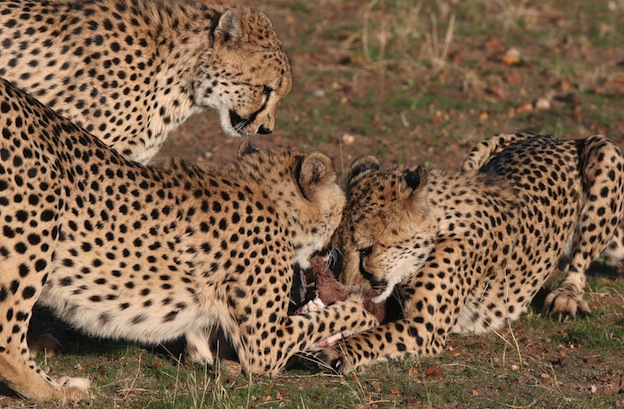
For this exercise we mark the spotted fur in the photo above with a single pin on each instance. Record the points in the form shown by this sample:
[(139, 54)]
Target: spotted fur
[(130, 71), (466, 251), (121, 250), (613, 254)]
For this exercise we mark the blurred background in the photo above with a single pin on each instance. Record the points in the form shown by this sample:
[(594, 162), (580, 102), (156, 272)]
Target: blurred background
[(425, 81)]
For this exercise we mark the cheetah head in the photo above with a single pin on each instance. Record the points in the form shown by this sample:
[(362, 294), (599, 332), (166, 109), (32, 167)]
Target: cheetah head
[(245, 75), (309, 197), (386, 232)]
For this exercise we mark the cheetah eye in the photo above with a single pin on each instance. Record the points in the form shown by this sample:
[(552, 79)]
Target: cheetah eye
[(365, 251), (267, 90)]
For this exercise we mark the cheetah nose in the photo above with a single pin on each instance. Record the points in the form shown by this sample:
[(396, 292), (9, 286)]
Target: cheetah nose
[(264, 130)]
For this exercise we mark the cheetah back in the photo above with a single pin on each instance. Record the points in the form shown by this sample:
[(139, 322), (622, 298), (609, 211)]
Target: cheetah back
[(131, 71), (122, 250), (466, 251)]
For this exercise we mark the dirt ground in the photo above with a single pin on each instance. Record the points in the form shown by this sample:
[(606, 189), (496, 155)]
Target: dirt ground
[(424, 82), (415, 81)]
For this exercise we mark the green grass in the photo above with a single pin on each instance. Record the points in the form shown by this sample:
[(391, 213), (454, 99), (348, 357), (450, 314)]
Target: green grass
[(384, 75)]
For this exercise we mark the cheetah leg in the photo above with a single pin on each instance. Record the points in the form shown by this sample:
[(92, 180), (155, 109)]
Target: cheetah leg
[(207, 345), (17, 368), (597, 223), (429, 315), (198, 346), (269, 349), (614, 253), (22, 277), (398, 338)]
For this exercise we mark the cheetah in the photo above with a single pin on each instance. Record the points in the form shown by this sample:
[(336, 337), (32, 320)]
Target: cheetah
[(122, 250), (467, 250), (131, 71), (613, 255)]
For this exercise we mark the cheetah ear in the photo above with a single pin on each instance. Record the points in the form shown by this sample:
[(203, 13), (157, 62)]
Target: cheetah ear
[(230, 30), (263, 20), (412, 181), (246, 148), (361, 167), (315, 169)]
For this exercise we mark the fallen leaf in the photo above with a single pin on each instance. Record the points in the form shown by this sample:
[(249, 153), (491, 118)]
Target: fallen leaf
[(511, 57), (348, 139), (514, 78), (571, 98), (412, 401), (433, 372), (394, 390), (542, 104), (437, 117), (455, 57), (493, 45), (526, 107), (563, 86), (376, 386), (450, 351), (495, 90)]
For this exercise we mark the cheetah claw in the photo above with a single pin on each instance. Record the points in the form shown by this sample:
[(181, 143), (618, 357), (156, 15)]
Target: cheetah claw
[(562, 304), (332, 359)]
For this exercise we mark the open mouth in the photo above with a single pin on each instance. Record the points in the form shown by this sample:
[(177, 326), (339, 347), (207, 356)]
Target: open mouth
[(379, 284), (237, 122)]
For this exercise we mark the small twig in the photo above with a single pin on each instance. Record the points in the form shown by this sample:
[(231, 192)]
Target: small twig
[(366, 17)]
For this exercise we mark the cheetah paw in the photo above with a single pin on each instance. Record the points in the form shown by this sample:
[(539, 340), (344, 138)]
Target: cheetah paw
[(329, 340), (564, 303), (311, 306), (333, 359), (74, 389), (44, 344)]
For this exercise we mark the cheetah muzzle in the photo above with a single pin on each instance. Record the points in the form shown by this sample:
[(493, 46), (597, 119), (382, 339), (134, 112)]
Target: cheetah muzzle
[(466, 251), (150, 254), (130, 72)]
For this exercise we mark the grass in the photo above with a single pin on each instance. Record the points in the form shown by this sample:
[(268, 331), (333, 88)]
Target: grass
[(411, 81), (530, 364)]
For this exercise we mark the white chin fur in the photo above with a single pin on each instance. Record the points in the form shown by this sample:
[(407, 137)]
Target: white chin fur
[(383, 296), (229, 131), (224, 119), (303, 264)]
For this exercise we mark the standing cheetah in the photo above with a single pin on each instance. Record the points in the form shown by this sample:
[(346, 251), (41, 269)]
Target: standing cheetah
[(130, 71), (122, 250), (466, 251)]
